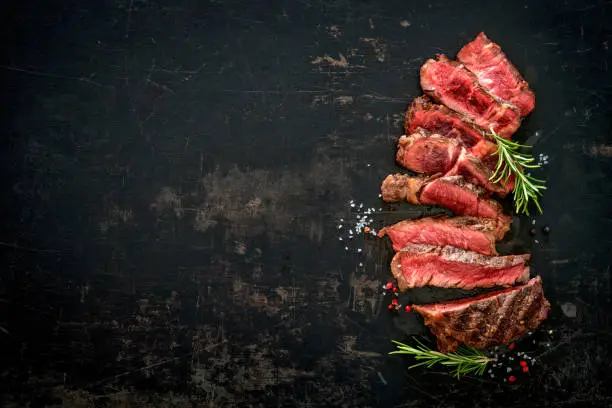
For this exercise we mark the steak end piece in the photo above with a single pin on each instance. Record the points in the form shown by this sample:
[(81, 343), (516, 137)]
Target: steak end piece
[(419, 265), (451, 84), (400, 187), (434, 118), (470, 233), (427, 153), (462, 197), (496, 74), (487, 320)]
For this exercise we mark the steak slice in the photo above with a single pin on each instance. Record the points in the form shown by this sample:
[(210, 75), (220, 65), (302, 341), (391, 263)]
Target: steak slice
[(435, 118), (471, 233), (491, 319), (462, 198), (496, 73), (452, 192), (427, 153), (420, 265), (452, 84), (430, 154)]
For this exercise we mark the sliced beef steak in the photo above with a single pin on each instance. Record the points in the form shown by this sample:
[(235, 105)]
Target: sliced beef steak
[(453, 85), (462, 198), (452, 192), (496, 73), (435, 118), (471, 233), (427, 153), (491, 319), (420, 265)]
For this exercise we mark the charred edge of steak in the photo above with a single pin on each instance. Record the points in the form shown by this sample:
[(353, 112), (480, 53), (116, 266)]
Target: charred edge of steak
[(452, 84), (400, 187), (483, 321), (496, 73), (419, 265)]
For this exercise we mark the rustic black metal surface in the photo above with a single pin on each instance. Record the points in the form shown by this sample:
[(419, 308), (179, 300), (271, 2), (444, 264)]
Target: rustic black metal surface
[(174, 173)]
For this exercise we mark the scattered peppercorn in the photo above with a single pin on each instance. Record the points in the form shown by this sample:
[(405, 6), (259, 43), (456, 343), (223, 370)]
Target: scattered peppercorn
[(525, 369), (389, 285), (366, 230), (408, 308), (394, 301), (391, 307), (511, 346), (512, 379), (532, 231), (523, 363), (394, 289), (546, 229)]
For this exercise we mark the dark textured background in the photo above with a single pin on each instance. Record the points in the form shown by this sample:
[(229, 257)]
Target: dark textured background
[(174, 172)]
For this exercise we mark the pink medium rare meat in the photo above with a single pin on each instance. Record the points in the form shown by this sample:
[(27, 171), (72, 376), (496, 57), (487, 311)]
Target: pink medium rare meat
[(494, 318), (450, 83), (496, 73), (419, 265), (470, 233)]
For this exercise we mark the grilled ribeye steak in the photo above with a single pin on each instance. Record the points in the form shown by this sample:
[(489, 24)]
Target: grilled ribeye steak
[(420, 265), (471, 233), (434, 118), (427, 153), (496, 74), (487, 320), (450, 83)]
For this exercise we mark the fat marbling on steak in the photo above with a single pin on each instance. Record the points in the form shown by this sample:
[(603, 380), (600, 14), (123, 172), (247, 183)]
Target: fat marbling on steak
[(419, 265), (471, 233), (496, 74), (487, 320), (450, 83)]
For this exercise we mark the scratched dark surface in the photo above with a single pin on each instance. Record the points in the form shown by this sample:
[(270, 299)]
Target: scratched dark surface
[(173, 175)]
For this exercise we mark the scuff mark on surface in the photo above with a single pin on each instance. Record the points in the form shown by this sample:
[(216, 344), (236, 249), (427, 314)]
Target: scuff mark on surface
[(378, 45), (341, 62)]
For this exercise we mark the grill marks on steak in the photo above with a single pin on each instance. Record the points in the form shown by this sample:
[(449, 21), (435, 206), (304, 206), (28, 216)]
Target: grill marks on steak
[(431, 154), (470, 233), (496, 73), (420, 265), (491, 319), (453, 85)]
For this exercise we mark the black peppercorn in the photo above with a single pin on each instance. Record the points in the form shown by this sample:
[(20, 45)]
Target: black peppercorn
[(546, 229), (532, 231)]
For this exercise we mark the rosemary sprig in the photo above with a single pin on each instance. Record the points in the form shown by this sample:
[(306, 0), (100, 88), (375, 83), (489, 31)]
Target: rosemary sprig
[(511, 161), (465, 361)]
